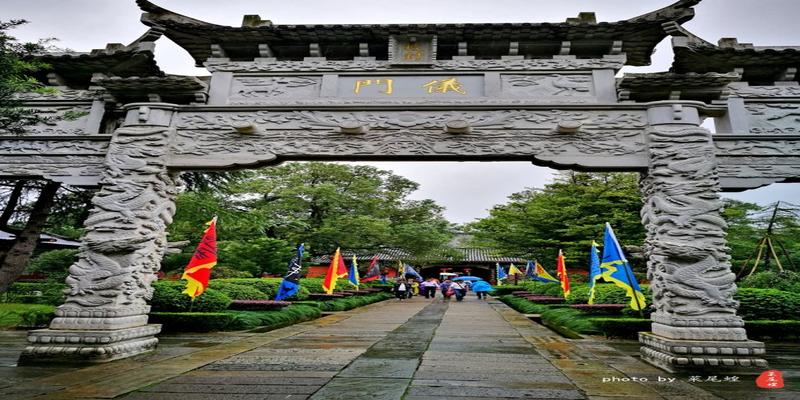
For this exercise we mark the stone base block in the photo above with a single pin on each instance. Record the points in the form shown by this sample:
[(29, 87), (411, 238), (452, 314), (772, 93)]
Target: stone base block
[(88, 346), (676, 356)]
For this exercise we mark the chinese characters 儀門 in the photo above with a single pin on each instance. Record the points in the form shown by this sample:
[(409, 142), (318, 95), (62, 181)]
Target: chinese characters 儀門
[(433, 87)]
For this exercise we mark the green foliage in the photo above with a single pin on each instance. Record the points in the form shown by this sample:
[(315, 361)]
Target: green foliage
[(14, 315), (256, 256), (237, 292), (522, 305), (786, 280), (51, 293), (192, 321), (573, 320), (270, 320), (626, 328), (780, 329), (349, 303), (568, 213), (579, 294), (759, 304), (16, 69), (54, 264), (225, 272), (268, 286), (503, 290), (168, 296), (314, 285), (544, 288)]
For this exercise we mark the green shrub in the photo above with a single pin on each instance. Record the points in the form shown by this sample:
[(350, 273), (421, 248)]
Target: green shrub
[(51, 293), (268, 286), (546, 288), (568, 318), (168, 296), (54, 264), (503, 290), (349, 303), (314, 285), (14, 315), (627, 328), (225, 272), (578, 294), (772, 329), (236, 291), (786, 280), (762, 304), (522, 305), (192, 321), (274, 319)]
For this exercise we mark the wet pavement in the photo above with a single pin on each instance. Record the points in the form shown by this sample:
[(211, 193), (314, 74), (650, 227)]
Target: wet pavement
[(414, 349)]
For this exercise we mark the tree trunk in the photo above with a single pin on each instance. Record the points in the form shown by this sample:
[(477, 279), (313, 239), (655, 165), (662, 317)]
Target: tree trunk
[(21, 250), (13, 200)]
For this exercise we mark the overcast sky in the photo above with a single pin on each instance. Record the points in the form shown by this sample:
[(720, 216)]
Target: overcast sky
[(468, 190)]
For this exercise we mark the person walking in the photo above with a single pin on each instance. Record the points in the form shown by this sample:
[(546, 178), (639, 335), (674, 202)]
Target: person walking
[(447, 290), (459, 290), (482, 289), (400, 289)]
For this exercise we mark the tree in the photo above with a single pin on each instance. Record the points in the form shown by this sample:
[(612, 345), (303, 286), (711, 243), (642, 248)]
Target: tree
[(568, 213), (336, 205)]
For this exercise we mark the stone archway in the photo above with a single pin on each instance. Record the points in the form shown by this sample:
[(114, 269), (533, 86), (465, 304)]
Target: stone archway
[(420, 94)]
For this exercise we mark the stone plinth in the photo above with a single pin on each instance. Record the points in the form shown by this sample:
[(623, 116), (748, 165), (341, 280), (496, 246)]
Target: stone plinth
[(673, 355), (88, 346)]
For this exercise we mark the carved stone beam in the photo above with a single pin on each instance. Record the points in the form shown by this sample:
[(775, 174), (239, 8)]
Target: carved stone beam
[(616, 47), (265, 51), (363, 50), (565, 48)]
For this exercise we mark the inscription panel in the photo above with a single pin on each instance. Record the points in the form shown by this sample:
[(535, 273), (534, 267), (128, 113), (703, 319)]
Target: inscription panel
[(395, 86)]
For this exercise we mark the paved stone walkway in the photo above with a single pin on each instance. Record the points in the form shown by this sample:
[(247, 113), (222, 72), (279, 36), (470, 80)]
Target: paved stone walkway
[(417, 349)]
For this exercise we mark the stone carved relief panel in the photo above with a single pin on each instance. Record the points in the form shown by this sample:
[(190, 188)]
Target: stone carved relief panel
[(253, 90), (80, 170), (438, 65), (58, 94), (575, 88), (18, 146), (774, 118), (765, 91), (60, 121), (689, 265), (495, 134)]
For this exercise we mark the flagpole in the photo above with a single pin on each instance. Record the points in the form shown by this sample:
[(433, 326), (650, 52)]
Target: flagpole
[(628, 272), (191, 304)]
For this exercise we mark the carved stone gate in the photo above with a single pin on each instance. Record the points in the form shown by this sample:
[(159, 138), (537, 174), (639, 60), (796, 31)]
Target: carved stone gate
[(544, 93)]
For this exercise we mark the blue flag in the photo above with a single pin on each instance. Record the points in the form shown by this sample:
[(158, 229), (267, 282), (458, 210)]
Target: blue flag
[(594, 270), (291, 282), (501, 273), (409, 270), (352, 273), (615, 268), (530, 270)]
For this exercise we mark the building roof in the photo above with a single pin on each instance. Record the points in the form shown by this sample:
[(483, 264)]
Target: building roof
[(757, 65), (460, 255), (647, 87), (44, 238), (636, 37)]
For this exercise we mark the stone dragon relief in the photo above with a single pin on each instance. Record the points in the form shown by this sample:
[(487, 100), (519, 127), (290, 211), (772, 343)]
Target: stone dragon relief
[(125, 236), (249, 90), (554, 85), (63, 120), (774, 118), (511, 133), (765, 91), (689, 267)]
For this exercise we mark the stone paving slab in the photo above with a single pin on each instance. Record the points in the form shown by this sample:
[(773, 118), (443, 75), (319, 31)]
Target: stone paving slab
[(362, 389), (493, 392), (381, 368)]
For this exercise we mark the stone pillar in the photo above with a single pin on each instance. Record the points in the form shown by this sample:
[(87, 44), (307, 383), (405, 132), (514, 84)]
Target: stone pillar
[(104, 316), (695, 326)]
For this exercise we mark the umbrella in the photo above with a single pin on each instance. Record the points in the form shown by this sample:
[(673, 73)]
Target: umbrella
[(467, 278), (482, 286)]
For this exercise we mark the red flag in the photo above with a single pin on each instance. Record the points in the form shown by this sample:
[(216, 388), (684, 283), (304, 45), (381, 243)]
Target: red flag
[(373, 272), (198, 271), (561, 269), (336, 270)]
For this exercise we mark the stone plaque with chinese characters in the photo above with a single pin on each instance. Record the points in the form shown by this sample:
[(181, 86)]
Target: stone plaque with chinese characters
[(412, 50), (396, 86)]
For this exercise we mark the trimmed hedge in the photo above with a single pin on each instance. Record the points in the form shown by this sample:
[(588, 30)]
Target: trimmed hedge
[(762, 304), (234, 320), (785, 280), (314, 285), (14, 315), (628, 328), (349, 303), (502, 290), (168, 296), (237, 291), (780, 329), (51, 293)]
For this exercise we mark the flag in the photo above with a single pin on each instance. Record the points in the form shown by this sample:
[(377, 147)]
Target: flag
[(409, 270), (513, 270), (561, 270), (373, 272), (198, 272), (352, 274), (501, 274), (615, 268), (291, 282), (594, 270), (336, 270), (542, 275), (530, 270)]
